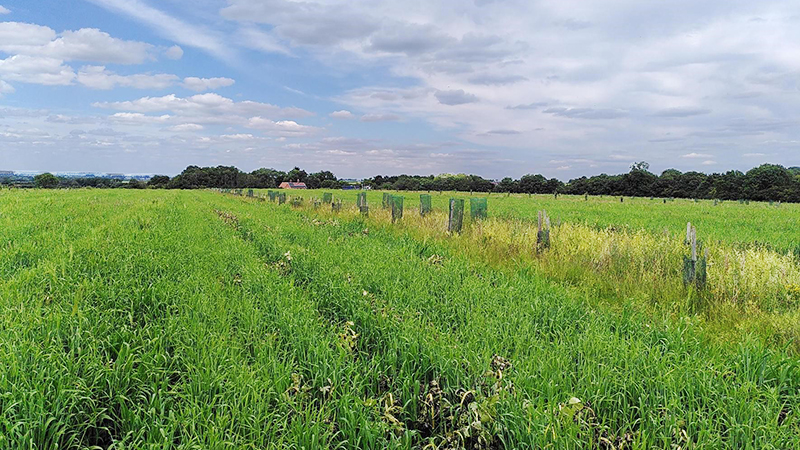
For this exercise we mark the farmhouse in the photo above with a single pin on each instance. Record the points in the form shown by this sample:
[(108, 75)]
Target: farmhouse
[(292, 185)]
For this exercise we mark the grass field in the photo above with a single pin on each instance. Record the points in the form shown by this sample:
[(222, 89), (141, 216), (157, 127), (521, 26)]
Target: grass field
[(730, 222), (196, 320)]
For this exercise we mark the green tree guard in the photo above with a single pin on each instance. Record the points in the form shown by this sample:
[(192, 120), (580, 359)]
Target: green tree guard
[(282, 198), (397, 207), (478, 208), (327, 197), (250, 193), (424, 204), (456, 218), (543, 233)]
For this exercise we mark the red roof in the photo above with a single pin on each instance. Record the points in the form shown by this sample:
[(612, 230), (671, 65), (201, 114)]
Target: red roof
[(293, 185)]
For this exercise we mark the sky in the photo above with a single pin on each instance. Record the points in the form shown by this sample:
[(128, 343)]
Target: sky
[(362, 87)]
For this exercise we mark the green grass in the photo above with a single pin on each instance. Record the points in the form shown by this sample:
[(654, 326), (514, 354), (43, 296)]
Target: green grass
[(729, 222), (166, 319)]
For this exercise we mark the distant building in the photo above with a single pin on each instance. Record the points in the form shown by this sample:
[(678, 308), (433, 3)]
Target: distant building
[(293, 185)]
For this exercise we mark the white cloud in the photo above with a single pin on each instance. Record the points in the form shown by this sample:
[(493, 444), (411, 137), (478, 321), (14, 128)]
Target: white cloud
[(186, 127), (386, 151), (170, 27), (698, 72), (6, 88), (709, 163), (36, 69), (251, 37), (522, 81), (455, 97), (207, 108), (139, 118), (90, 44), (4, 10), (380, 118), (753, 155), (342, 114), (205, 84), (337, 152), (16, 36), (85, 44), (285, 128), (97, 77), (174, 52)]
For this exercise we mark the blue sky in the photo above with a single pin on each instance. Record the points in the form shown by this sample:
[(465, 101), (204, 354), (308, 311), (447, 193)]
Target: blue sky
[(492, 87)]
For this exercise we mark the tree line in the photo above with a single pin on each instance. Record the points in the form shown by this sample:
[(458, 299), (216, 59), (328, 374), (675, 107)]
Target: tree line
[(768, 182)]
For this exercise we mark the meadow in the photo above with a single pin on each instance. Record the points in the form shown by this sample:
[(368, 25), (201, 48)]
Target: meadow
[(750, 224), (193, 319)]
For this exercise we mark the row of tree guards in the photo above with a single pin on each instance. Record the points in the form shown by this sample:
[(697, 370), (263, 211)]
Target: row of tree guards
[(478, 206), (694, 266), (455, 221)]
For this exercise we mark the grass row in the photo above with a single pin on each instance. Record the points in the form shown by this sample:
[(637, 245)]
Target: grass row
[(754, 224), (648, 384), (748, 290), (194, 320)]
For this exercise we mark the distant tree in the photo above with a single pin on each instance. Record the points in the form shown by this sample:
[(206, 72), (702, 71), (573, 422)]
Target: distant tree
[(507, 184), (533, 184), (729, 186), (666, 183), (297, 174), (136, 184), (639, 182), (267, 178), (766, 182), (45, 181), (158, 181), (330, 184), (315, 180), (554, 185), (769, 182), (688, 184), (407, 183), (68, 183), (577, 186)]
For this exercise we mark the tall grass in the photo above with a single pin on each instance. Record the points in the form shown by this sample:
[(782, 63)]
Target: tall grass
[(741, 225), (185, 320), (749, 288), (648, 382)]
